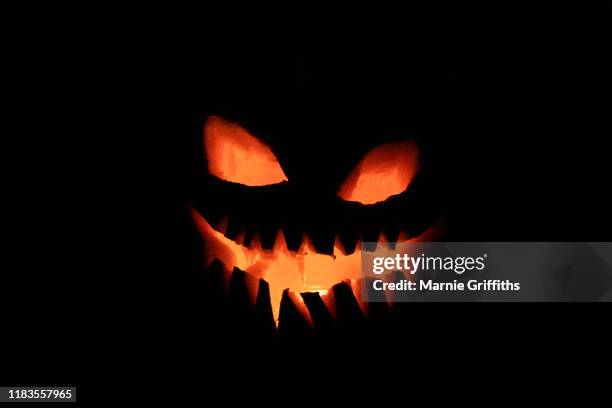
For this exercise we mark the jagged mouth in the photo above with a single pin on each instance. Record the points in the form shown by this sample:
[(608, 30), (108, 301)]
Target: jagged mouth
[(298, 271)]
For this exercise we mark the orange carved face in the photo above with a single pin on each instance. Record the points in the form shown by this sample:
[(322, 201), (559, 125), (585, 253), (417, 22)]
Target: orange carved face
[(236, 156)]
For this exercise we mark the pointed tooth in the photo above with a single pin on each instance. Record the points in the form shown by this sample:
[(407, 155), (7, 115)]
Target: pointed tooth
[(431, 234), (357, 246), (255, 242), (383, 242), (201, 224), (239, 239), (370, 235), (279, 243), (324, 242), (347, 306), (368, 241), (307, 245), (267, 234), (221, 226), (348, 238), (339, 247), (403, 237), (248, 237), (293, 238), (391, 233), (234, 225), (212, 216)]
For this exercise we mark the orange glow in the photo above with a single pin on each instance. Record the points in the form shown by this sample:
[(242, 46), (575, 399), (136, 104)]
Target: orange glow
[(300, 271), (235, 155), (384, 171)]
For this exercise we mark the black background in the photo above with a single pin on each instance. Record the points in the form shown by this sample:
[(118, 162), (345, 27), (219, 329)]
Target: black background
[(512, 106), (510, 110)]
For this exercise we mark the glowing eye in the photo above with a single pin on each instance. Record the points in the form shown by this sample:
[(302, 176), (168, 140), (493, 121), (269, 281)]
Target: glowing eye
[(235, 155), (384, 171)]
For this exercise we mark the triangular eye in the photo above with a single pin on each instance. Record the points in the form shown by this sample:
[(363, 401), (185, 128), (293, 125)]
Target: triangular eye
[(237, 156), (384, 171)]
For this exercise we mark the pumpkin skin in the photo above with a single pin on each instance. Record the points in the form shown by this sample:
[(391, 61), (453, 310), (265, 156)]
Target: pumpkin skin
[(319, 144)]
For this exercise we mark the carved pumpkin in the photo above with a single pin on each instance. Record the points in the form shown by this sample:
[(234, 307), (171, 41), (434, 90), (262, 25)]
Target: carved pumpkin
[(240, 164), (295, 162)]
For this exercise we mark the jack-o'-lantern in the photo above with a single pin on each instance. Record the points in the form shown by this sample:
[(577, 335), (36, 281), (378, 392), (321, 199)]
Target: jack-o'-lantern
[(286, 190)]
